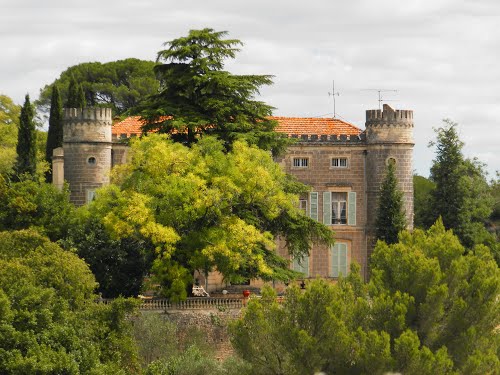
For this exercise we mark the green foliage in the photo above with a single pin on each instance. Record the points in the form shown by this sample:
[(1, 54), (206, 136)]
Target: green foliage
[(49, 323), (204, 209), (192, 361), (422, 188), (9, 123), (429, 308), (55, 134), (34, 204), (391, 218), (462, 196), (75, 96), (119, 265), (26, 141), (120, 85), (198, 97)]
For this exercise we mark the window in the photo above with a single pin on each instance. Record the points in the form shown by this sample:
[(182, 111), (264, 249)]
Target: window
[(339, 259), (301, 265), (90, 195), (303, 206), (339, 208), (300, 162), (339, 162), (92, 160)]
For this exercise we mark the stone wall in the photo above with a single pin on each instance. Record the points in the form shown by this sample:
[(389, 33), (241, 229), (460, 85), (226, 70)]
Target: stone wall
[(213, 324)]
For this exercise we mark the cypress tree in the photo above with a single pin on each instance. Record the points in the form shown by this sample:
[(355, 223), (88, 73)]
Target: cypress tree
[(391, 217), (55, 134), (72, 99), (26, 141), (80, 98)]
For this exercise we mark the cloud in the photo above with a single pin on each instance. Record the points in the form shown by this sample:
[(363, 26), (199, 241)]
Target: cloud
[(440, 55)]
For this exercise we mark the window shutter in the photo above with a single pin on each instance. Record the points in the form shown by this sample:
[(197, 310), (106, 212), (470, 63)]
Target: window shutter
[(327, 208), (302, 265), (343, 259), (313, 205), (351, 213), (339, 260), (335, 261)]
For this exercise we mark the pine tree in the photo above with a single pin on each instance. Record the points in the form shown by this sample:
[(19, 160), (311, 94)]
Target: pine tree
[(391, 217), (448, 199), (462, 196), (198, 97), (55, 134), (26, 141)]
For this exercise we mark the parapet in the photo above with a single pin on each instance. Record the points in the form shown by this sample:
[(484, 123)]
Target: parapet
[(333, 138), (389, 126), (90, 125), (389, 116), (86, 114)]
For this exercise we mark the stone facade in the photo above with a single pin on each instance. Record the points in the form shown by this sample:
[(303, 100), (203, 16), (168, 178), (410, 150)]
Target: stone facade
[(344, 170)]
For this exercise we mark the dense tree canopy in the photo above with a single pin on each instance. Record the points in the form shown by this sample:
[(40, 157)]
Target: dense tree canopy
[(428, 309), (9, 123), (34, 204), (422, 188), (206, 210), (198, 97), (120, 85), (49, 322), (391, 218), (462, 196)]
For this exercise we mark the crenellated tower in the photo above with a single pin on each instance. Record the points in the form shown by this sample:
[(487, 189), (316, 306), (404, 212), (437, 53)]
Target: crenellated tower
[(389, 139), (87, 151)]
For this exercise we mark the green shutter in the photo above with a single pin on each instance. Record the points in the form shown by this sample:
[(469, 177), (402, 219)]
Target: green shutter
[(313, 205), (327, 208), (351, 208), (343, 259), (339, 260), (335, 261)]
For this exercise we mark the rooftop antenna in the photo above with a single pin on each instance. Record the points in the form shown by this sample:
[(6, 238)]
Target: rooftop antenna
[(333, 93), (380, 98)]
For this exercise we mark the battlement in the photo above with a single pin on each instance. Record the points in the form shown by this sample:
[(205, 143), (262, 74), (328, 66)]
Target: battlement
[(333, 138), (389, 116), (86, 114)]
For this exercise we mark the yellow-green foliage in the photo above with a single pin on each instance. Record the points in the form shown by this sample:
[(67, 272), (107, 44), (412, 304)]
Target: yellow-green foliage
[(203, 208)]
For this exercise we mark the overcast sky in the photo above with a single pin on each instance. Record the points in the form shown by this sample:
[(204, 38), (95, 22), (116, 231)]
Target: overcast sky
[(442, 56)]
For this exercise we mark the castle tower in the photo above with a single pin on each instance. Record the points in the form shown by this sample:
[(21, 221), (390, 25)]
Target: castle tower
[(87, 151), (389, 138)]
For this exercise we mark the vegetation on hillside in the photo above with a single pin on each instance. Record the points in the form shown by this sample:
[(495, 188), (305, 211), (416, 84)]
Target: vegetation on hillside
[(430, 307)]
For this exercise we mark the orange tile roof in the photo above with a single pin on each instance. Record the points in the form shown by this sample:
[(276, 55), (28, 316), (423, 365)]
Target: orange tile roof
[(288, 125), (315, 126)]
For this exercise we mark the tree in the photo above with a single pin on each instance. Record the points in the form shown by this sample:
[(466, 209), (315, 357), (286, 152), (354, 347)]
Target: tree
[(55, 133), (198, 97), (26, 141), (207, 210), (119, 265), (76, 96), (49, 321), (34, 204), (462, 196), (427, 309), (391, 218), (121, 84), (9, 123), (422, 188)]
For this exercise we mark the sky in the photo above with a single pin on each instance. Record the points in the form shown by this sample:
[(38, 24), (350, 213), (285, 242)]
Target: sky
[(440, 58)]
